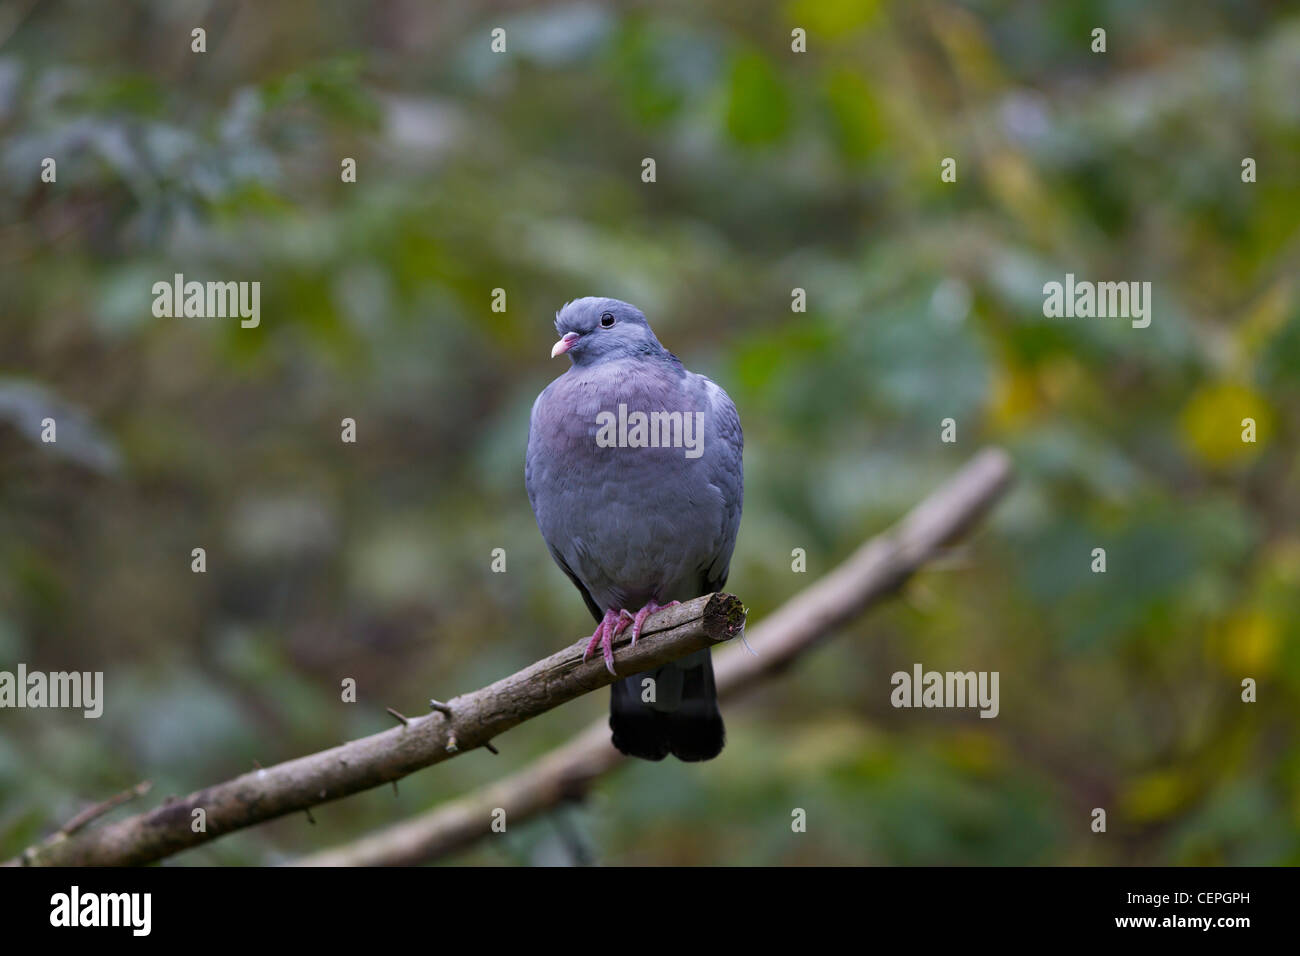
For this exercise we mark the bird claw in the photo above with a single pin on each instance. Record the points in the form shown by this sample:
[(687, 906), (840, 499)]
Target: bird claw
[(607, 631), (644, 613), (615, 623)]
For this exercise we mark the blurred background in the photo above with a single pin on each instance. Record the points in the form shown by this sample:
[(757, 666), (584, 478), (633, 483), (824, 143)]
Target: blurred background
[(775, 170)]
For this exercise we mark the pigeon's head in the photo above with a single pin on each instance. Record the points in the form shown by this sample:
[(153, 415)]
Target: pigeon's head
[(595, 330)]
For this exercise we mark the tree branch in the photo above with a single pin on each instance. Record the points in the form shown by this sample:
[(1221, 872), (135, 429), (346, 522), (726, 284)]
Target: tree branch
[(474, 720), (874, 571)]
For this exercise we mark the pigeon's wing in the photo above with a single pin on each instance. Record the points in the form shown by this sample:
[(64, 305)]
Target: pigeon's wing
[(586, 595), (724, 456), (534, 449)]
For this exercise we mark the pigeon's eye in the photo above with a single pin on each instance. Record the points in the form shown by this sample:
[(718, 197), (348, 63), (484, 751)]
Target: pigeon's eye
[(607, 320)]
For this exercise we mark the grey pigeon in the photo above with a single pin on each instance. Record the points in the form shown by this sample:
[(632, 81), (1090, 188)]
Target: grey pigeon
[(634, 473)]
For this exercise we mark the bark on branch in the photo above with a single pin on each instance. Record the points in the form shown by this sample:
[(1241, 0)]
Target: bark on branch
[(874, 571), (473, 721)]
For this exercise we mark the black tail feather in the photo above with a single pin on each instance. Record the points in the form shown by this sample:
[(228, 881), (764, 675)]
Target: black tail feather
[(639, 731), (695, 729), (684, 719)]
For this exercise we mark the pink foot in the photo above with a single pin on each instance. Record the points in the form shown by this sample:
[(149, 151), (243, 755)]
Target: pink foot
[(610, 627), (644, 613)]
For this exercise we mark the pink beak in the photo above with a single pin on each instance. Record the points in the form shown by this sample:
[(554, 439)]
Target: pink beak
[(566, 343)]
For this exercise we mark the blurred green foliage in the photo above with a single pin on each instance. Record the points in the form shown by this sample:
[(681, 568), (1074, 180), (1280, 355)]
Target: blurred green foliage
[(776, 170)]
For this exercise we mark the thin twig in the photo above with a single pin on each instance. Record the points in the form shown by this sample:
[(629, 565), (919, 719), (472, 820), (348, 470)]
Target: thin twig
[(90, 814)]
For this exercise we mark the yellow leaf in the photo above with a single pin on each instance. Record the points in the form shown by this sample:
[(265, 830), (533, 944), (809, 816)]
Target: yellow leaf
[(832, 18), (1014, 399), (1249, 642), (974, 752), (1155, 796), (1212, 423)]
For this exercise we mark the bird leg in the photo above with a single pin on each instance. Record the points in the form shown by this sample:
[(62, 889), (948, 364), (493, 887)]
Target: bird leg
[(644, 613), (615, 623), (610, 627)]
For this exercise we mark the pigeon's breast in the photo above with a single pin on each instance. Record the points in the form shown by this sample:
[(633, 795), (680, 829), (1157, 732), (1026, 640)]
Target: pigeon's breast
[(618, 472)]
